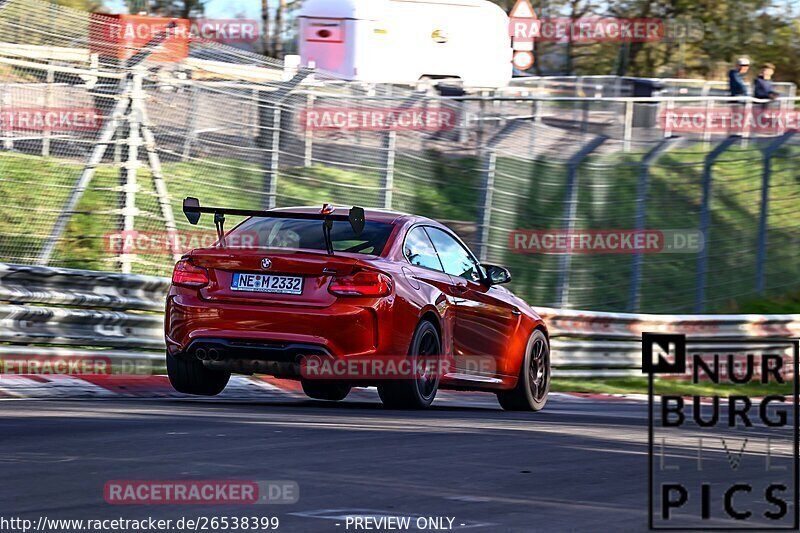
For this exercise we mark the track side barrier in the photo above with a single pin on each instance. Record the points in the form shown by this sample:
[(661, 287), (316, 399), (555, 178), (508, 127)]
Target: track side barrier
[(60, 312)]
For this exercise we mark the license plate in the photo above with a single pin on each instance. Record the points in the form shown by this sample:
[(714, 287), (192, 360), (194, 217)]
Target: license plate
[(267, 283)]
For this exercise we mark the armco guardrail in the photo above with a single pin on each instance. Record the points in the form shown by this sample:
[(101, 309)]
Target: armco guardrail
[(81, 288), (72, 313), (629, 326)]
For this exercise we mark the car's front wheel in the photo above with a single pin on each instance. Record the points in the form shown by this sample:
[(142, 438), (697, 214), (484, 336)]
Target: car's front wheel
[(533, 384), (190, 376), (417, 392)]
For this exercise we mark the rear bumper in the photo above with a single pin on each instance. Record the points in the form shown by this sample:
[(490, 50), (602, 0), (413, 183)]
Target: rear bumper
[(265, 331), (249, 357), (232, 349)]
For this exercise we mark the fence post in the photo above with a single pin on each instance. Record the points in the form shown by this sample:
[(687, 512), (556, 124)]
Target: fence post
[(670, 106), (585, 117), (761, 253), (627, 132), (191, 122), (268, 140), (488, 157), (254, 119), (464, 123), (748, 113), (618, 86), (570, 212), (271, 174), (641, 215), (390, 150), (269, 118), (131, 166), (705, 221), (387, 179), (308, 148), (489, 160), (481, 113), (49, 97), (706, 132), (536, 119), (8, 134)]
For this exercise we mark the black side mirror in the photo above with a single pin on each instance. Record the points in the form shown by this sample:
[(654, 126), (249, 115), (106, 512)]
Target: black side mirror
[(497, 275)]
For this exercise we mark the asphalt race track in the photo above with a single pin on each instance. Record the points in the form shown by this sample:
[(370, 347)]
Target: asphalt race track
[(580, 465)]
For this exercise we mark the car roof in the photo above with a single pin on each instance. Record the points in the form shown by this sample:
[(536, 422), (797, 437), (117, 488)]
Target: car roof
[(377, 215)]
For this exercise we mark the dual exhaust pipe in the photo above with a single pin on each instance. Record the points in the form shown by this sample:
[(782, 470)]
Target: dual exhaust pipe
[(210, 354)]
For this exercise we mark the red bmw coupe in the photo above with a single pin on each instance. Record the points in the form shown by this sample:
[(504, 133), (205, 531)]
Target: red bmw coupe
[(341, 285)]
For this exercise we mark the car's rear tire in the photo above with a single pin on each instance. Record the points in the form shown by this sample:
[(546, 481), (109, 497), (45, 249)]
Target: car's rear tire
[(190, 376), (415, 393), (533, 384), (326, 390)]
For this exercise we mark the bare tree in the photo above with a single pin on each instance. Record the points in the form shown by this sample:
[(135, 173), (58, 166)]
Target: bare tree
[(177, 8), (277, 47), (266, 42)]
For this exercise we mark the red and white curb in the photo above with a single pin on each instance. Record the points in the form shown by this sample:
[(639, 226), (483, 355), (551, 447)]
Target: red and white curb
[(256, 387)]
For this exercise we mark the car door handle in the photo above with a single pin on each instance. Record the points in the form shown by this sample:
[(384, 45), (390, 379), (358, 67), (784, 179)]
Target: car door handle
[(515, 311)]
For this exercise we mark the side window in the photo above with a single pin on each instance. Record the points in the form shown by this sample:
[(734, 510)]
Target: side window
[(419, 250), (457, 261)]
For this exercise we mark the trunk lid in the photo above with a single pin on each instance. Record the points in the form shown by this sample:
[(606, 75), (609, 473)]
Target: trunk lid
[(315, 268)]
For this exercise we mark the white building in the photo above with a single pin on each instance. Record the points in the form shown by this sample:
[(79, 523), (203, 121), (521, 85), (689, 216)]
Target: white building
[(402, 41)]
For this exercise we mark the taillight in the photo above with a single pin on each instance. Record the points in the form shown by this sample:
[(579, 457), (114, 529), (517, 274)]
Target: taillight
[(363, 283), (188, 275)]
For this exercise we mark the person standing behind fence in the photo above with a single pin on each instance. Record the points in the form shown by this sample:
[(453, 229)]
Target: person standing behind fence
[(736, 78), (763, 88)]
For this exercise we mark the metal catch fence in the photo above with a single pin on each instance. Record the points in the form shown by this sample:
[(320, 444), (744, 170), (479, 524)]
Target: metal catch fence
[(233, 128)]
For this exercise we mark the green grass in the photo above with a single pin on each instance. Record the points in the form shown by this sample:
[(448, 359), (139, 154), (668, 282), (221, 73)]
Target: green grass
[(438, 187), (528, 195), (786, 304), (638, 385), (531, 195), (33, 189)]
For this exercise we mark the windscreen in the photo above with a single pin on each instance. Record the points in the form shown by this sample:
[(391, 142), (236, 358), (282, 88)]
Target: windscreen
[(294, 234)]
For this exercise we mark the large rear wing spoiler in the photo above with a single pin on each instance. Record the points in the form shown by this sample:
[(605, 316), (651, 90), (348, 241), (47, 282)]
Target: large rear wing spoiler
[(193, 211)]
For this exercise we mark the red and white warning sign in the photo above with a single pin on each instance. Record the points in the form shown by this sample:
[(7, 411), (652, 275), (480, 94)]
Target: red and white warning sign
[(521, 19), (523, 59), (522, 14), (522, 10)]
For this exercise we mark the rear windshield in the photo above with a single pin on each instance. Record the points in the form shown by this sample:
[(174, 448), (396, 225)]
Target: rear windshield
[(307, 234)]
